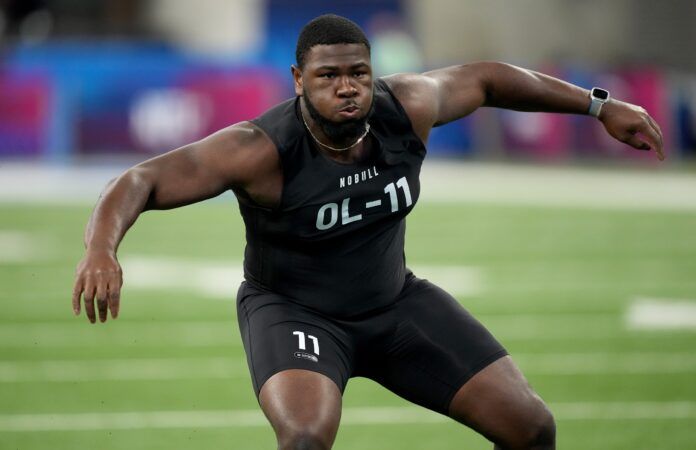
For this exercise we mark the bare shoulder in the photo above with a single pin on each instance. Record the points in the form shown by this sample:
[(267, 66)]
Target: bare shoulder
[(402, 82), (414, 91), (242, 137), (243, 150), (251, 155), (418, 96)]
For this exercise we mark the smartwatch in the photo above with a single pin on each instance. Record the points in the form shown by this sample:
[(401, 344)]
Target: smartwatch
[(598, 97)]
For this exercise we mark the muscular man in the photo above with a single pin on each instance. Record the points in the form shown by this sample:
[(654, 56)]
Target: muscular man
[(324, 183)]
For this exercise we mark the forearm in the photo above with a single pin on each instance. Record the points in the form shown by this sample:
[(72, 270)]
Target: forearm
[(520, 89), (117, 209)]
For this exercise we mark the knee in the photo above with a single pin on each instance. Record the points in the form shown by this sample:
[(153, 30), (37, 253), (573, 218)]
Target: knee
[(536, 430), (304, 438)]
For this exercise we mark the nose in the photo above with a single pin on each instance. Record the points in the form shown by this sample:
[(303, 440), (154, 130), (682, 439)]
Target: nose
[(346, 89)]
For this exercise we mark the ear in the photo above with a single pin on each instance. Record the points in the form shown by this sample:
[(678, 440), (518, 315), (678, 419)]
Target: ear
[(297, 78)]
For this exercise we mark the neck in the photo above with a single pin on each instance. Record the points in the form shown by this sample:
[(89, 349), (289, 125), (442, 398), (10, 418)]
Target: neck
[(322, 140)]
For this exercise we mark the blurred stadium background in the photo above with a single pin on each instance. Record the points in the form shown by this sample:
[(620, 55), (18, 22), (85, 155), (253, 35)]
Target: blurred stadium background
[(577, 252)]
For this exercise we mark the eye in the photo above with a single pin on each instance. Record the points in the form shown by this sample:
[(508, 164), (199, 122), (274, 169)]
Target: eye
[(327, 75), (360, 74)]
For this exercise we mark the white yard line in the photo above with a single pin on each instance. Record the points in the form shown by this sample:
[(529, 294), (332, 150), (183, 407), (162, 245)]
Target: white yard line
[(553, 327), (142, 369), (49, 184), (133, 369), (624, 410), (626, 189), (350, 417), (648, 189), (606, 363), (219, 279), (661, 314), (458, 280), (224, 333), (18, 246), (79, 333), (208, 278)]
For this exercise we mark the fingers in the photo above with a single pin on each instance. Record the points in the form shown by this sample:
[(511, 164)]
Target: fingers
[(102, 302), (645, 138), (636, 142), (77, 293), (655, 125), (107, 296), (99, 278), (653, 138), (633, 125), (658, 132), (114, 298), (88, 298)]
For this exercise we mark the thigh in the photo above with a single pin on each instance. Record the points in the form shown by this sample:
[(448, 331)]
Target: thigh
[(499, 403), (279, 335), (437, 347)]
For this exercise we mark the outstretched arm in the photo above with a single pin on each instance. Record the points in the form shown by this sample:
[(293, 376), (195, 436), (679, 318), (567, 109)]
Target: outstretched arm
[(443, 95), (239, 157)]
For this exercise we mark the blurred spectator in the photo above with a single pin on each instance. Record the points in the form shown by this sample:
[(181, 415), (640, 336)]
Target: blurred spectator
[(394, 50), (29, 20)]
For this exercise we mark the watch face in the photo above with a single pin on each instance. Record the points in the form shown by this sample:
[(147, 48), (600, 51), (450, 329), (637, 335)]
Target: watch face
[(600, 94)]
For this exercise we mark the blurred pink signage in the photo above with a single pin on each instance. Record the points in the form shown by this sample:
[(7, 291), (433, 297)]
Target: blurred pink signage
[(24, 112)]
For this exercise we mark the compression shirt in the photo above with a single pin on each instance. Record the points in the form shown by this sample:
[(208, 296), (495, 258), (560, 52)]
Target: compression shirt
[(335, 243)]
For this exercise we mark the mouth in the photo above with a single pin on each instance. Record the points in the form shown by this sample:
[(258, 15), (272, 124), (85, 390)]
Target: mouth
[(349, 111)]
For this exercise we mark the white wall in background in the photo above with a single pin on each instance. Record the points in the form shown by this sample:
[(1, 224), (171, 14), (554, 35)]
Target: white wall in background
[(526, 30), (226, 27)]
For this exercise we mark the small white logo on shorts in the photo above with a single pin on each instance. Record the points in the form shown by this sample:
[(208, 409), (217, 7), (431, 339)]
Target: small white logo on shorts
[(303, 355), (302, 345)]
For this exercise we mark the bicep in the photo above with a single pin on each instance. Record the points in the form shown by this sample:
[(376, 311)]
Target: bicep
[(458, 90), (200, 170)]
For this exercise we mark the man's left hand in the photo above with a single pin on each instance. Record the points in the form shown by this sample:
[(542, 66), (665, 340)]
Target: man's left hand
[(632, 125)]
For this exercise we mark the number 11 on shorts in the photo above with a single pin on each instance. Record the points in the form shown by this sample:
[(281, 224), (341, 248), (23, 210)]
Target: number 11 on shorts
[(302, 343)]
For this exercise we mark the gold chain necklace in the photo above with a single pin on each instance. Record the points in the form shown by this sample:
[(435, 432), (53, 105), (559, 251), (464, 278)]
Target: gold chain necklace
[(367, 130)]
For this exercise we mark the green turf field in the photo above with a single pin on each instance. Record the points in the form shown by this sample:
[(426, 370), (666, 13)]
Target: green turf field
[(554, 285)]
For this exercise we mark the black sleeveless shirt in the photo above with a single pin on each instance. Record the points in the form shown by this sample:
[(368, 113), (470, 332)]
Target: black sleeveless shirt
[(336, 241)]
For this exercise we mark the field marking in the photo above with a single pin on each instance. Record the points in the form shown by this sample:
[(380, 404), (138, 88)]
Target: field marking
[(144, 369), (77, 333), (350, 417), (458, 280), (53, 184), (551, 327), (661, 314), (220, 280), (606, 363), (624, 410), (624, 189), (132, 369), (17, 246), (443, 181)]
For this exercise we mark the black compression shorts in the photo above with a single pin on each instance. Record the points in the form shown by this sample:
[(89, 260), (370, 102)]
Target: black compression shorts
[(423, 347)]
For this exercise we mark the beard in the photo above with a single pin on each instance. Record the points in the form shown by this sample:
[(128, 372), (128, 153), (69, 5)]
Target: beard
[(340, 133)]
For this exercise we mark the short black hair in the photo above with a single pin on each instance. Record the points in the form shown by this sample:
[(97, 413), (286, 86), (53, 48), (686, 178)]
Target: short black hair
[(328, 29)]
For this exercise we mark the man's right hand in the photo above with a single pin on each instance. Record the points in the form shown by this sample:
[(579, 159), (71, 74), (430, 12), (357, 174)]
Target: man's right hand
[(99, 277)]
